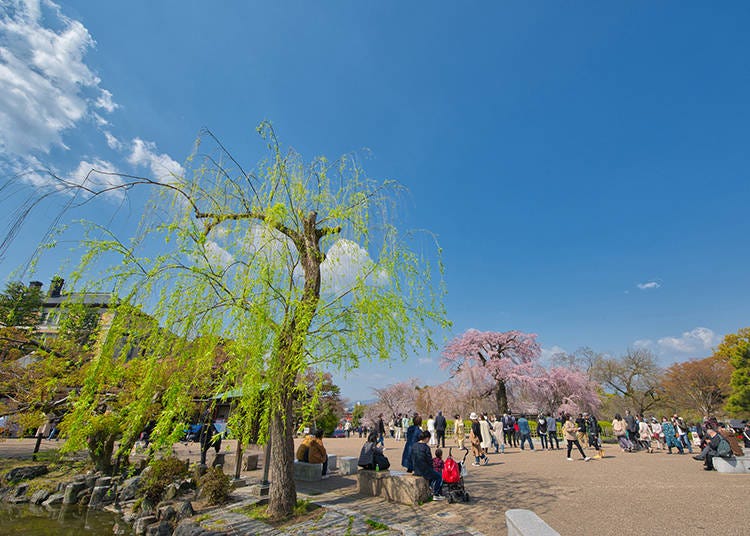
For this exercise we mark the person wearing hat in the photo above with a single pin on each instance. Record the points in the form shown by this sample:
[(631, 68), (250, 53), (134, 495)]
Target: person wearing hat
[(475, 436)]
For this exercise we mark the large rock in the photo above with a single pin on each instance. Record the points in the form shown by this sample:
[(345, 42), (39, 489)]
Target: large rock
[(162, 528), (191, 528), (39, 496), (139, 528), (18, 495), (167, 513), (24, 473), (54, 499), (185, 509), (101, 496), (72, 490), (129, 488)]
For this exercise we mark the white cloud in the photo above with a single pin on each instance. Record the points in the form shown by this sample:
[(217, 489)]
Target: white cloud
[(105, 101), (643, 343), (697, 340), (648, 285), (549, 353), (162, 167), (87, 174), (425, 360), (112, 141), (46, 86), (217, 255), (345, 262)]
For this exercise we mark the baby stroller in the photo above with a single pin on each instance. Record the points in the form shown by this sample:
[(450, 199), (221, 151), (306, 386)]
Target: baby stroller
[(453, 482)]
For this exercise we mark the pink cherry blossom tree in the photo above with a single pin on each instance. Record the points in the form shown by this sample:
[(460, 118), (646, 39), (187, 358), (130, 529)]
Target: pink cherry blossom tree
[(507, 357), (392, 399), (566, 389)]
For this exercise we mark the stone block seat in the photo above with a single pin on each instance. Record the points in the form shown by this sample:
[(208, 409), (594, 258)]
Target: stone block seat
[(308, 472), (527, 523), (332, 462), (739, 464), (348, 465), (399, 487)]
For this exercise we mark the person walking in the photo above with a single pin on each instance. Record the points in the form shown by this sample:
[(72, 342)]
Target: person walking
[(682, 430), (508, 423), (431, 429), (631, 428), (644, 434), (541, 430), (552, 431), (670, 436), (458, 431), (620, 429), (380, 427), (594, 434), (440, 425), (475, 437), (525, 430), (486, 428), (570, 432)]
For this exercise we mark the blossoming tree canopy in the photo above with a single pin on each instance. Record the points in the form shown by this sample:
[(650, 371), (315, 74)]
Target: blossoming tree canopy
[(506, 356)]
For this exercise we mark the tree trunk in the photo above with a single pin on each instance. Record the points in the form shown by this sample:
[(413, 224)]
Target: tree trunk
[(501, 397), (283, 493)]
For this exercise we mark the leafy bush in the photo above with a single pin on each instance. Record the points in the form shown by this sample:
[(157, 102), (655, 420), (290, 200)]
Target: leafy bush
[(161, 474), (215, 486)]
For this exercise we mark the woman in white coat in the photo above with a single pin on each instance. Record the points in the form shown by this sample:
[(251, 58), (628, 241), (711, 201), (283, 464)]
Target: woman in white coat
[(486, 429)]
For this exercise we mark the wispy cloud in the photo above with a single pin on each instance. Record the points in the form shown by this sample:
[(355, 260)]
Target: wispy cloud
[(161, 165), (46, 86), (693, 343), (48, 91), (425, 360), (648, 285)]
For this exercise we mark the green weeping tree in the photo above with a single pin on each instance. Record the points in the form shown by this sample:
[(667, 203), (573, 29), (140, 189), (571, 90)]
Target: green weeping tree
[(252, 278)]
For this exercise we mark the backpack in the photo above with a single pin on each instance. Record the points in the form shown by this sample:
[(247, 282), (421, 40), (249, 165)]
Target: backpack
[(724, 450), (451, 471)]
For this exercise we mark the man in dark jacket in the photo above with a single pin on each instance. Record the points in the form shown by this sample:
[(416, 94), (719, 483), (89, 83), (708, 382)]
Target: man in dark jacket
[(421, 457), (440, 425), (631, 427)]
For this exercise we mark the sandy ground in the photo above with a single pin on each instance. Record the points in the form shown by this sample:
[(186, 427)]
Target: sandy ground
[(622, 494)]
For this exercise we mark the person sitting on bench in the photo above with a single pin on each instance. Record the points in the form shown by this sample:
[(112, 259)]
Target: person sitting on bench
[(311, 450), (371, 456)]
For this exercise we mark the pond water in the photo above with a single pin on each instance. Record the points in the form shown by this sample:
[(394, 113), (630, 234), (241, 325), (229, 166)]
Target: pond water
[(30, 520)]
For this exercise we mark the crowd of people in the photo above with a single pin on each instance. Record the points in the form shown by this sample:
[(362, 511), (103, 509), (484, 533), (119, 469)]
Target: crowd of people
[(486, 433), (633, 433)]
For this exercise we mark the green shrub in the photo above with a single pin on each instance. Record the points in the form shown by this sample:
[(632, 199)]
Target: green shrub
[(215, 486), (162, 473)]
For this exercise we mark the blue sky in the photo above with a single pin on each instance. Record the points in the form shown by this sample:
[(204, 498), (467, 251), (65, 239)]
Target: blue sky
[(584, 164)]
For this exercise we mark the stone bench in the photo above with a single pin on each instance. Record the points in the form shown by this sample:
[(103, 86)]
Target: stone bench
[(308, 472), (332, 462), (251, 462), (527, 523), (348, 465), (739, 464), (403, 488)]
